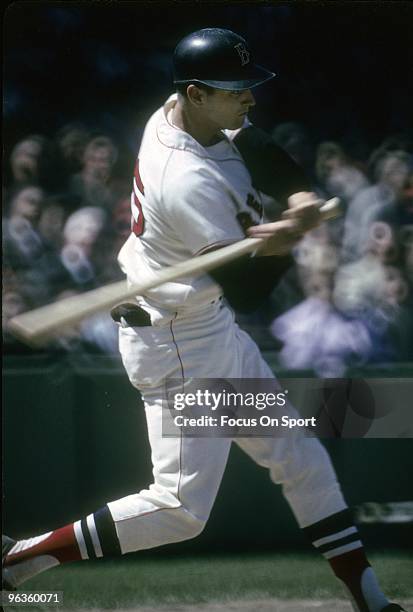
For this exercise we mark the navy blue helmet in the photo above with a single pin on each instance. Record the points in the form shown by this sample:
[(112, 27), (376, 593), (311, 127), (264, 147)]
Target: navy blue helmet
[(218, 58)]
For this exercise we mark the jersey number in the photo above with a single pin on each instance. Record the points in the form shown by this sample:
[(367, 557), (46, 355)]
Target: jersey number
[(137, 198)]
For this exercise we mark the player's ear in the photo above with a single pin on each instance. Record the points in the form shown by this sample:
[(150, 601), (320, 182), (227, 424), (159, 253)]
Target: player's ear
[(196, 95)]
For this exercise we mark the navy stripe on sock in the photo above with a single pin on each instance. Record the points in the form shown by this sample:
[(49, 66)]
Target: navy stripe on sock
[(353, 537), (106, 529), (88, 540), (330, 525)]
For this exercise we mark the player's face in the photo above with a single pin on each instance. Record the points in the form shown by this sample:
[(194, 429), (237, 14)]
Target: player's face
[(228, 109)]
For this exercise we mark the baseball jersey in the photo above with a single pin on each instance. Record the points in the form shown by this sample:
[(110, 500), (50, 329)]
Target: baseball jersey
[(186, 199)]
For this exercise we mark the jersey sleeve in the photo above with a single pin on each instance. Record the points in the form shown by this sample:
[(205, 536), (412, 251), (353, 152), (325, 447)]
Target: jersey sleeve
[(202, 210)]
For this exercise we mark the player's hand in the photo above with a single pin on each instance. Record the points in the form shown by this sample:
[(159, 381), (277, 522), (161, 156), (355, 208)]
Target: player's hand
[(304, 210), (280, 237)]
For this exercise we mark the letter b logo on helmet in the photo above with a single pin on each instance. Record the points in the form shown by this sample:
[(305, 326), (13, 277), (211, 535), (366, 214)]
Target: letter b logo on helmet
[(218, 58), (243, 53)]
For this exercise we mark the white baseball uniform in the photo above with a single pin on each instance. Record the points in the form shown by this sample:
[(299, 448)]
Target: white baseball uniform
[(188, 198)]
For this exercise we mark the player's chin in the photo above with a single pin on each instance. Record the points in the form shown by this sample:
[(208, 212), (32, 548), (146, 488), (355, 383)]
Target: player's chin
[(236, 122)]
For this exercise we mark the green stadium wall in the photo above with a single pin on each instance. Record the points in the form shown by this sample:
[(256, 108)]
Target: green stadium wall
[(74, 437)]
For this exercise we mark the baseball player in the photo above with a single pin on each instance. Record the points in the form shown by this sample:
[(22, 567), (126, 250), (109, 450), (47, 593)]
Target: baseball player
[(192, 192)]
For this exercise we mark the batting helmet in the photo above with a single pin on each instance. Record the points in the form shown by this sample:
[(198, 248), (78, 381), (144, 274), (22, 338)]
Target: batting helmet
[(218, 58)]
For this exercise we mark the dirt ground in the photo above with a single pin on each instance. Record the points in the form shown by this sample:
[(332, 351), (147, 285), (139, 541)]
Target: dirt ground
[(269, 605)]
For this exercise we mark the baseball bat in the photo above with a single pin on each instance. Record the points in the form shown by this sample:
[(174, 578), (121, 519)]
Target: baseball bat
[(37, 326)]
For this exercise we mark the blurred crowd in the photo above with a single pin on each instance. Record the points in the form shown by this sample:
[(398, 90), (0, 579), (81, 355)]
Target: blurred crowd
[(66, 215), (347, 301)]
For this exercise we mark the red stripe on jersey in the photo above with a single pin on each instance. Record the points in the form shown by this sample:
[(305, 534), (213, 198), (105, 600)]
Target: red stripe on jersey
[(138, 179), (138, 224), (137, 227)]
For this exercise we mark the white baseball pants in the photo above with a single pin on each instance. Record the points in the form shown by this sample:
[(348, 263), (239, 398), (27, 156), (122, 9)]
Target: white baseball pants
[(187, 471)]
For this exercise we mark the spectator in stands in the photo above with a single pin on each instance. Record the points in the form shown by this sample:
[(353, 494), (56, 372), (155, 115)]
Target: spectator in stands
[(121, 221), (400, 213), (27, 203), (88, 256), (293, 137), (395, 287), (80, 233), (31, 259), (25, 160), (315, 335), (21, 242), (373, 290), (395, 142), (32, 162), (392, 174), (71, 141), (336, 175), (52, 219), (91, 185)]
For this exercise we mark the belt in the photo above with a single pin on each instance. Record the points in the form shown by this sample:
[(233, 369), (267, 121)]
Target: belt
[(130, 315)]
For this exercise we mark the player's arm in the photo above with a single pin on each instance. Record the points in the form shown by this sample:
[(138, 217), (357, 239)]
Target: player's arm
[(302, 215), (248, 281), (275, 173), (272, 170)]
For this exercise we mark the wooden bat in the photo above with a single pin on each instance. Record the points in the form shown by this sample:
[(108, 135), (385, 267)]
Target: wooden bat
[(37, 326)]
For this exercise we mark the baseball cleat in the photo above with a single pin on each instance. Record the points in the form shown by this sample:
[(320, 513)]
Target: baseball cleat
[(393, 608), (6, 544)]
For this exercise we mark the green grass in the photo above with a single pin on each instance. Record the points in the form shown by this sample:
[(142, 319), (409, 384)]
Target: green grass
[(166, 581)]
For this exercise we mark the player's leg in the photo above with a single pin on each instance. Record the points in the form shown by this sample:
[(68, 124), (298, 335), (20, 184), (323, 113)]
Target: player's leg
[(303, 468), (187, 474), (187, 471)]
